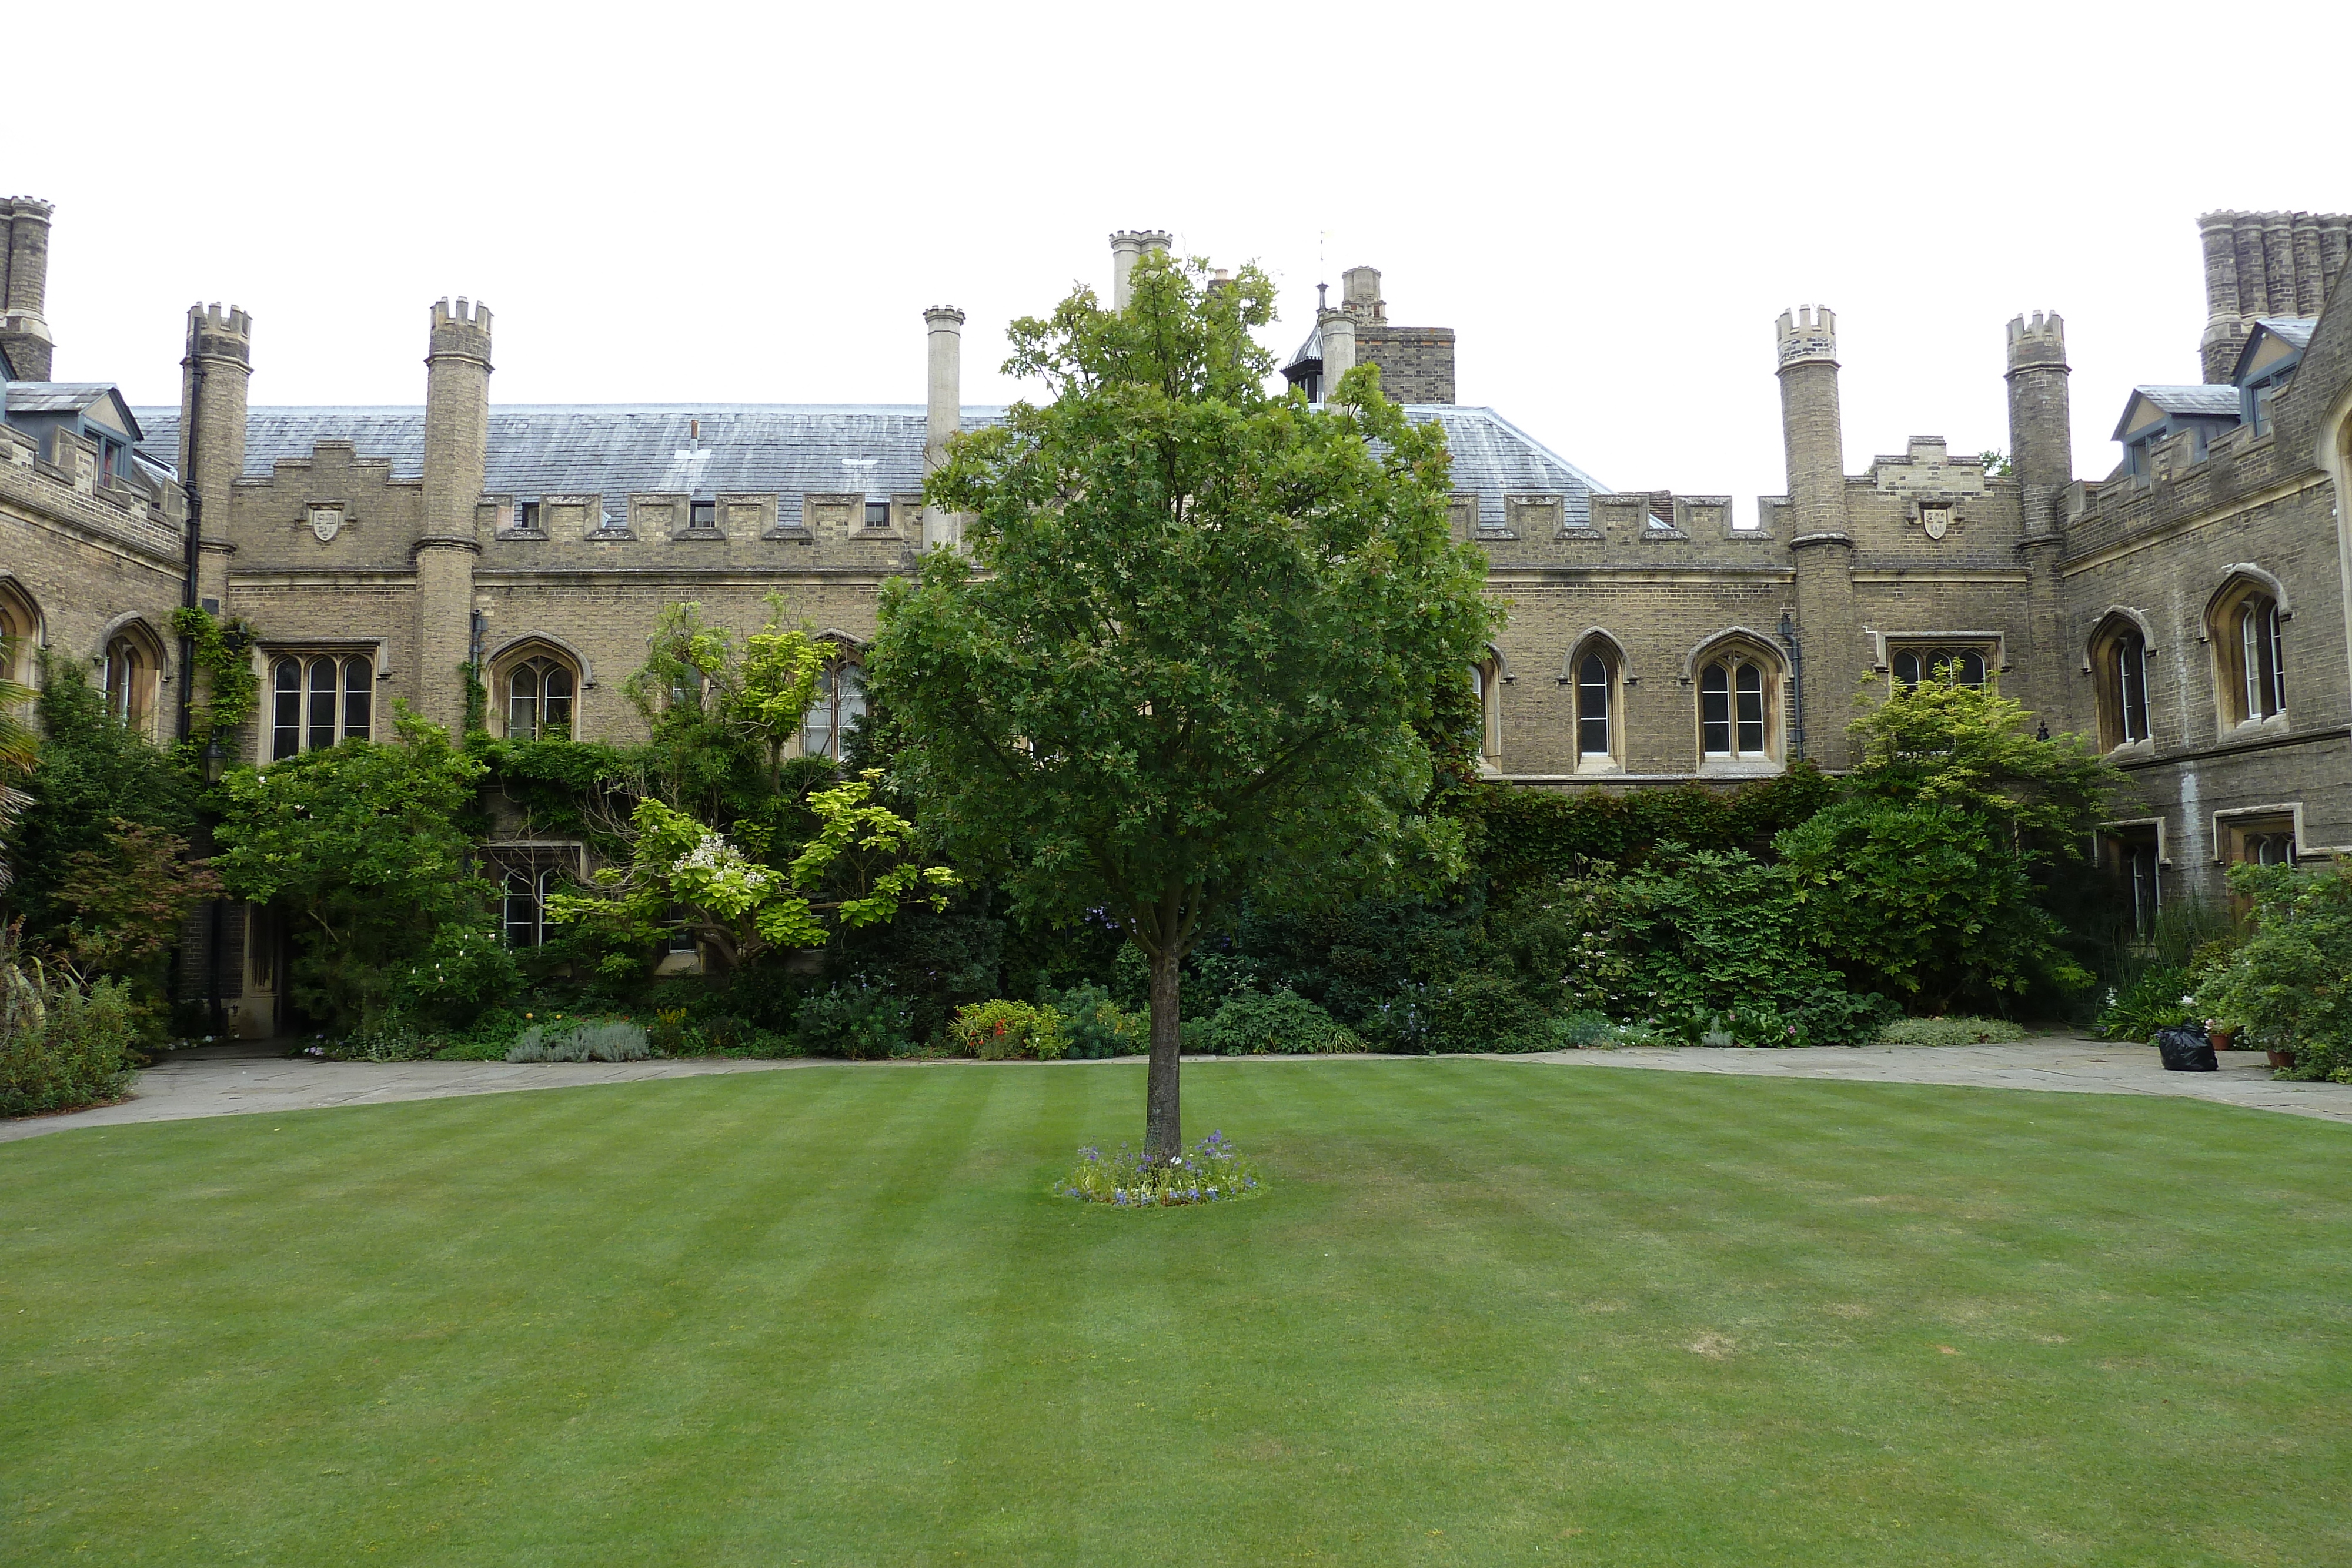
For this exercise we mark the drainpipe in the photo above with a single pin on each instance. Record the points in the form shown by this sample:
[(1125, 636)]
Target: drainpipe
[(1797, 671), (194, 540)]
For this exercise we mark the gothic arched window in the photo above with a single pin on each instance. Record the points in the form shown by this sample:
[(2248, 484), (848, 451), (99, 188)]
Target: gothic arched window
[(1487, 686), (840, 704), (2250, 653), (20, 635), (134, 669), (1737, 716), (1595, 678), (538, 691), (2119, 666)]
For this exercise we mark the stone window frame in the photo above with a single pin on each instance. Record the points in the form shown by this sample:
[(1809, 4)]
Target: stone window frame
[(2241, 703), (843, 654), (1731, 649), (363, 659), (21, 635), (1598, 642), (1990, 647), (2119, 640), (2240, 828), (133, 660), (537, 864), (1488, 676), (544, 656), (2116, 846)]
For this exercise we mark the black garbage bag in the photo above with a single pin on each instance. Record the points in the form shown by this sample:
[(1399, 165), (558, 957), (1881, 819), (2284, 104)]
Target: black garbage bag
[(2186, 1050)]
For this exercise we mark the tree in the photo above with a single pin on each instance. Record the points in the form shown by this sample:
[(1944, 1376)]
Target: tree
[(1199, 623), (92, 773), (1941, 741), (1931, 882), (365, 844), (682, 870)]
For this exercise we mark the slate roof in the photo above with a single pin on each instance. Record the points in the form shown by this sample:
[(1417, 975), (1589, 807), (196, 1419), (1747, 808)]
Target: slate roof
[(2295, 329), (66, 397), (2210, 402), (790, 449)]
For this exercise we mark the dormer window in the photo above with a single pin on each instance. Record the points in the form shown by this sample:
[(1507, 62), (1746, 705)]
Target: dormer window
[(2266, 364), (526, 516), (877, 514), (702, 515)]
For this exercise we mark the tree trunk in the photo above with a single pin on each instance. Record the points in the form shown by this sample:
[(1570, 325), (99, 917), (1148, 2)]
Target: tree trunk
[(1164, 1119)]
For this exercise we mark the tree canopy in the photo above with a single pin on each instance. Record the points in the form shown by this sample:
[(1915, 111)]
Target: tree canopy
[(1197, 626)]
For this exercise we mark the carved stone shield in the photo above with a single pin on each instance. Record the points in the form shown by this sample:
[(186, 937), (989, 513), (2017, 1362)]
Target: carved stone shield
[(326, 522), (1936, 520)]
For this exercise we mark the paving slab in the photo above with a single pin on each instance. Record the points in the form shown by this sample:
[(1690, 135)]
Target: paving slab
[(2054, 1065), (251, 1080)]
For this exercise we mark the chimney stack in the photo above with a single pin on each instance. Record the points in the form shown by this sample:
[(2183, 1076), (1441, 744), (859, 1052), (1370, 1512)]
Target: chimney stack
[(2040, 431), (2263, 264), (1128, 247), (24, 287), (1338, 330), (943, 412), (456, 452)]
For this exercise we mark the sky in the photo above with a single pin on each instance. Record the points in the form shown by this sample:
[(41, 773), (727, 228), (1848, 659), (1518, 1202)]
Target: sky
[(716, 203)]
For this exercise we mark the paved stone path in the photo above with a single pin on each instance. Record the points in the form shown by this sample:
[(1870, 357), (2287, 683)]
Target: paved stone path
[(2062, 1065), (244, 1080)]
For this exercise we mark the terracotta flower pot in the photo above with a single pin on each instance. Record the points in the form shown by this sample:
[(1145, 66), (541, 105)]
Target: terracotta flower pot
[(2221, 1039), (2283, 1059)]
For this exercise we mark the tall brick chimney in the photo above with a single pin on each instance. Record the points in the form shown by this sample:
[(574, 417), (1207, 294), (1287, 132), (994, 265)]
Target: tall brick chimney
[(1813, 436), (211, 431), (2265, 264), (457, 448), (24, 287), (942, 412)]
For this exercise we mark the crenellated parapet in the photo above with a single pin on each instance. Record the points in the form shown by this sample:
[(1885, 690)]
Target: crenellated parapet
[(1807, 335), (460, 331)]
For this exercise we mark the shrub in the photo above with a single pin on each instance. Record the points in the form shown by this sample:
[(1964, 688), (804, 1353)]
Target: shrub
[(669, 1031), (1950, 1031), (1281, 1022), (1003, 1032), (1476, 1012), (1923, 900), (391, 1040), (62, 1046), (2289, 984), (613, 1040), (1212, 1171), (861, 1021), (1095, 1027), (2158, 999), (1580, 1030), (531, 1046)]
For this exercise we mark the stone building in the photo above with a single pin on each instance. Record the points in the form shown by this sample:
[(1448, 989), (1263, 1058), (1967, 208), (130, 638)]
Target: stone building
[(2172, 609)]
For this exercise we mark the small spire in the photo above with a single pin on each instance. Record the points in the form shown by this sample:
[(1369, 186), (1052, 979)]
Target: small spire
[(1322, 297)]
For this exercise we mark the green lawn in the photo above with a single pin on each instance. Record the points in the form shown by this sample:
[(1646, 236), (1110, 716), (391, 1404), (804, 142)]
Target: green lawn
[(1491, 1313)]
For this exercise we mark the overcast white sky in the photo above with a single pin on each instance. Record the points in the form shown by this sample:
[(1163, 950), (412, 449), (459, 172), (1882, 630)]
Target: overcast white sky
[(721, 203)]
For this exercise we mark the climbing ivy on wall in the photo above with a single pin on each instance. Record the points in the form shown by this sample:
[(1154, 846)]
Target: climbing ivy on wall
[(231, 689), (1519, 836)]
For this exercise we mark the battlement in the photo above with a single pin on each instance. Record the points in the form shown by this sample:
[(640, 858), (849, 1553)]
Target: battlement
[(1807, 335), (461, 332), (217, 334), (936, 313), (25, 206), (2038, 341), (1141, 240)]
